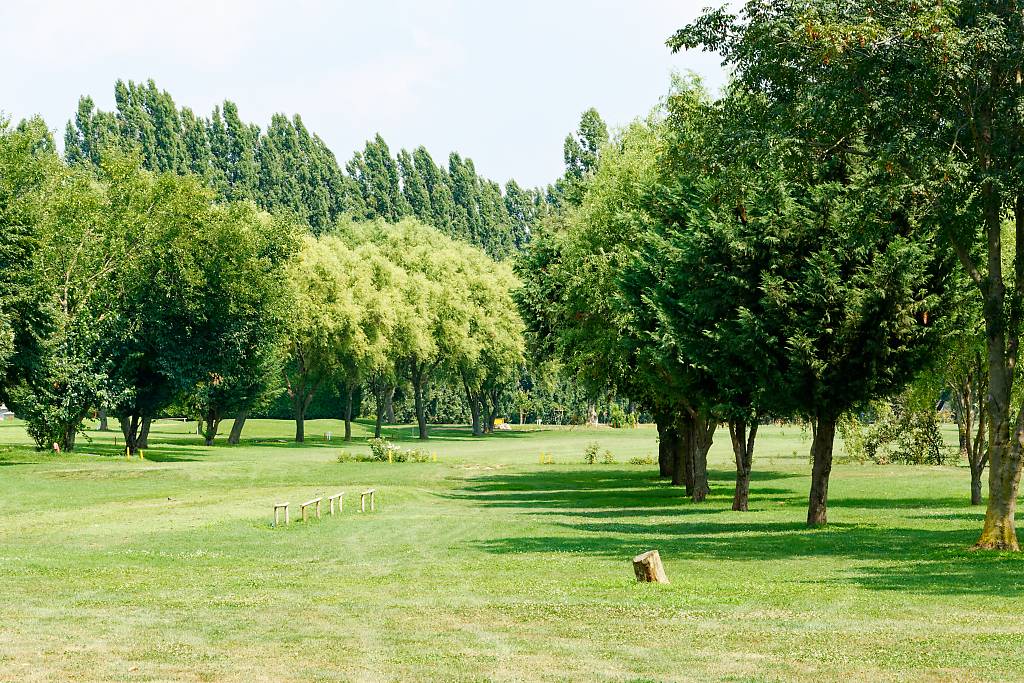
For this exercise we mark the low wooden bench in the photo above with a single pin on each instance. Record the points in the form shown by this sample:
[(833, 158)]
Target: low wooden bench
[(277, 510), (304, 506), (362, 500), (340, 497)]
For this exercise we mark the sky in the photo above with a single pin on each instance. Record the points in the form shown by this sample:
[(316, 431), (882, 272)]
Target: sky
[(502, 83)]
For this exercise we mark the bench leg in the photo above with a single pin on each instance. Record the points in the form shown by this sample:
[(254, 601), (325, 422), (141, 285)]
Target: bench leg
[(286, 520), (275, 516), (372, 506), (318, 509)]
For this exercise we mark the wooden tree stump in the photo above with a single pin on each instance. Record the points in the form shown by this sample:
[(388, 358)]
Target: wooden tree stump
[(648, 568)]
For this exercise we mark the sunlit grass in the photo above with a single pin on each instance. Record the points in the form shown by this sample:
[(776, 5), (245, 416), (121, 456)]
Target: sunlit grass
[(487, 565)]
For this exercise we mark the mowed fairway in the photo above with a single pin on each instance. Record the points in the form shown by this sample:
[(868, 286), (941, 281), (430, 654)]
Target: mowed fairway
[(488, 566)]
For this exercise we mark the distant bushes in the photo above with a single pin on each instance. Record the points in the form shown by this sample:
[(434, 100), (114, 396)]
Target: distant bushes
[(900, 432)]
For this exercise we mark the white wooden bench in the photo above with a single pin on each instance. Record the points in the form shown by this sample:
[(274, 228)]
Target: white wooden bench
[(362, 500)]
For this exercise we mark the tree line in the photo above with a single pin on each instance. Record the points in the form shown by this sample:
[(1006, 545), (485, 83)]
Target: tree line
[(288, 168), (843, 222), (143, 293)]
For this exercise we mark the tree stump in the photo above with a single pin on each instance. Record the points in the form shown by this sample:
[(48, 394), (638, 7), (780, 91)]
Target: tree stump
[(648, 568)]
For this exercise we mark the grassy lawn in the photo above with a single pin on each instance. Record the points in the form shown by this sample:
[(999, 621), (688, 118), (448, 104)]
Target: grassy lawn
[(487, 565)]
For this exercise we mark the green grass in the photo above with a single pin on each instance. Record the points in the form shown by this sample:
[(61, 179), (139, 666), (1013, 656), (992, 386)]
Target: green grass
[(488, 566)]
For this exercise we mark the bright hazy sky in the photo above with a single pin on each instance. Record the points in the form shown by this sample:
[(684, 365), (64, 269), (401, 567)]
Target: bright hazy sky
[(502, 83)]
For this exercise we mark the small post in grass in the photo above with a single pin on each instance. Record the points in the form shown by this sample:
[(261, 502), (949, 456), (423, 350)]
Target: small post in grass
[(340, 497), (362, 500), (648, 568), (277, 509)]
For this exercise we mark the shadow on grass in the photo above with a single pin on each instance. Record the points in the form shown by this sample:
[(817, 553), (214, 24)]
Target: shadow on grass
[(642, 513), (155, 453)]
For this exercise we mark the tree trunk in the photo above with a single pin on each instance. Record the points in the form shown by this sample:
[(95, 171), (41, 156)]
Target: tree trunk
[(591, 413), (236, 427), (682, 461), (743, 451), (300, 424), (212, 420), (668, 444), (104, 426), (975, 485), (492, 414), (821, 454), (68, 438), (144, 432), (378, 399), (474, 407), (648, 568), (348, 412), (418, 382), (389, 404), (999, 531), (130, 429), (703, 428)]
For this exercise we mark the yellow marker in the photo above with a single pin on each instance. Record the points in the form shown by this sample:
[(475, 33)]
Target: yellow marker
[(434, 455), (540, 459), (142, 455), (389, 455), (127, 453)]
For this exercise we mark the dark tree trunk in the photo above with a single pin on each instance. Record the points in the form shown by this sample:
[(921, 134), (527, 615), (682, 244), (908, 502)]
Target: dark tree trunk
[(378, 399), (976, 485), (104, 426), (492, 414), (419, 377), (237, 426), (821, 455), (144, 432), (212, 421), (130, 429), (300, 424), (68, 439), (682, 467), (743, 451), (389, 404), (349, 390), (703, 430), (474, 407), (668, 444)]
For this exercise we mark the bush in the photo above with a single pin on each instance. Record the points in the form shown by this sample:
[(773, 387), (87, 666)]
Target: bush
[(617, 417), (607, 458), (900, 433), (591, 453), (641, 460), (382, 450)]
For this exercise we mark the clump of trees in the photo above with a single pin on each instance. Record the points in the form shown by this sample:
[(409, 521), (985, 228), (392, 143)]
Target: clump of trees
[(717, 271), (381, 305), (145, 292)]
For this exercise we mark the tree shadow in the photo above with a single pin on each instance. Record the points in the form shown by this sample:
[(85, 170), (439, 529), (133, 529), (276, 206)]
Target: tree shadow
[(615, 515), (156, 453)]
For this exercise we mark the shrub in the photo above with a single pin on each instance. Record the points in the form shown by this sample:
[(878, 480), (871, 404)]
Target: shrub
[(608, 458), (591, 453), (900, 433), (382, 450), (641, 460), (617, 417)]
